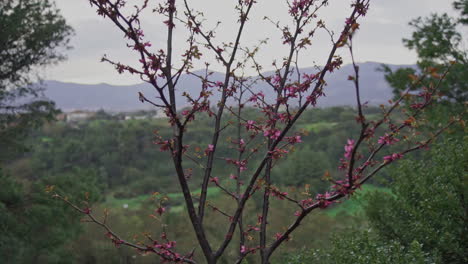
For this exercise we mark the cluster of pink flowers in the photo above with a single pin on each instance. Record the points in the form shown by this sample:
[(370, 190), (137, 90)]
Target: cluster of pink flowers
[(117, 242), (343, 164), (323, 200), (277, 193), (250, 125), (277, 153), (299, 5), (246, 250), (312, 99), (349, 148), (349, 21), (209, 149), (256, 96), (165, 145), (160, 210), (278, 236), (343, 187), (215, 180), (165, 251), (387, 139), (393, 157), (276, 79), (141, 46), (272, 133), (307, 202), (361, 8), (294, 140), (252, 228), (241, 164)]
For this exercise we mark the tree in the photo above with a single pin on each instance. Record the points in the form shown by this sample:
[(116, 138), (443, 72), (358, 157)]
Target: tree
[(268, 138), (437, 40), (32, 35)]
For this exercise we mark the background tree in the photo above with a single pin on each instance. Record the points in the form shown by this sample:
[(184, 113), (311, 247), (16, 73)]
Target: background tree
[(32, 34), (437, 39)]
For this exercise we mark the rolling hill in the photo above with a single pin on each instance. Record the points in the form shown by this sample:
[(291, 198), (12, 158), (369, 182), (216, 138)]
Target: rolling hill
[(339, 91)]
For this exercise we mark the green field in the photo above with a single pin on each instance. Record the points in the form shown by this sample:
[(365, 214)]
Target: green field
[(354, 204), (319, 126), (136, 202)]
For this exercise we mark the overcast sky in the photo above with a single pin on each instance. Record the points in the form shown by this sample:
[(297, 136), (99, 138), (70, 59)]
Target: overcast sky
[(378, 40)]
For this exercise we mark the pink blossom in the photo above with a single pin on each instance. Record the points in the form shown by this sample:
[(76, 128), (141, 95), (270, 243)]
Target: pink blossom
[(387, 139), (307, 202), (278, 236), (255, 97), (243, 249), (278, 153), (295, 139), (164, 145), (250, 125), (349, 148), (215, 180), (393, 157), (276, 79), (171, 244), (278, 194), (240, 164), (160, 210), (253, 228), (209, 149), (323, 200), (272, 133)]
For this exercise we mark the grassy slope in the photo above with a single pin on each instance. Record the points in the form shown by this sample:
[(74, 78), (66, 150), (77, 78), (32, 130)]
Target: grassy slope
[(136, 202), (354, 204)]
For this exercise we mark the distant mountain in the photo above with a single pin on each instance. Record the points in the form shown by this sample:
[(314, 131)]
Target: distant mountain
[(339, 91)]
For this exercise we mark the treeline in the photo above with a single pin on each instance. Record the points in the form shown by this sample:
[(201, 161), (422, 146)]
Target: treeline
[(124, 159)]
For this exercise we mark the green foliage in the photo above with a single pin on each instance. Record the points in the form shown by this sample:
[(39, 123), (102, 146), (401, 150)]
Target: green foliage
[(31, 34), (361, 247), (304, 166), (462, 5), (423, 220), (429, 205), (437, 41), (34, 228)]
